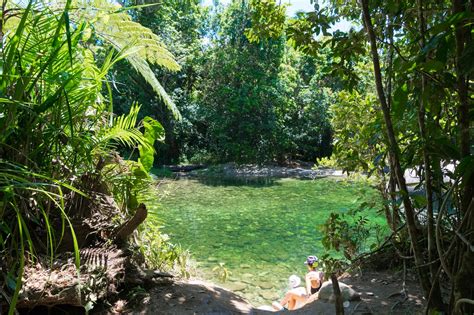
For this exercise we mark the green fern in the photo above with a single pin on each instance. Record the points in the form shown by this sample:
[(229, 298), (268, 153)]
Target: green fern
[(123, 131), (138, 44), (113, 26)]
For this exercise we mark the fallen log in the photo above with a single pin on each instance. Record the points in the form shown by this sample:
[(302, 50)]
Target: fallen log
[(185, 168), (126, 229)]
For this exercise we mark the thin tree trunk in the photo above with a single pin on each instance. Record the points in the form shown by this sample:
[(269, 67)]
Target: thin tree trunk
[(426, 157), (2, 21), (393, 199), (423, 273), (462, 37), (395, 217), (337, 294), (463, 285), (386, 195)]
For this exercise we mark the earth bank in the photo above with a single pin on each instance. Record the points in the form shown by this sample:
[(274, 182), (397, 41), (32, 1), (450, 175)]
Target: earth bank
[(381, 293)]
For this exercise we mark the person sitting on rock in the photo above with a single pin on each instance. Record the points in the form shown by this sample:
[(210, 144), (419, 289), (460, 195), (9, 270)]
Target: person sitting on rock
[(294, 298), (314, 278)]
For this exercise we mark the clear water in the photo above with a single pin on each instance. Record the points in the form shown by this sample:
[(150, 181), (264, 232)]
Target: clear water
[(261, 230)]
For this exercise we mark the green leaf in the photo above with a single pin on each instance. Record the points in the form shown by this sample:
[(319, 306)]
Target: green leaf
[(400, 100), (153, 131), (420, 201), (11, 283), (466, 61), (465, 169), (444, 148), (68, 30), (432, 66)]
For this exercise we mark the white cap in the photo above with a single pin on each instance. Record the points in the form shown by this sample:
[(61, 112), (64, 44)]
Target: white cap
[(294, 281)]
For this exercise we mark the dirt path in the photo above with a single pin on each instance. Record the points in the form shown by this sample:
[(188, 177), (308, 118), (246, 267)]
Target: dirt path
[(380, 294)]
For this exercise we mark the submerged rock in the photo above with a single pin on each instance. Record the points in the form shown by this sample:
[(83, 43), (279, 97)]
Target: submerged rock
[(269, 295), (237, 286), (264, 284)]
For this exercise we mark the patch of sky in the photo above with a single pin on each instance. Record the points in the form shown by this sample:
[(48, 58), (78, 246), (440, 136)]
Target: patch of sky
[(294, 6)]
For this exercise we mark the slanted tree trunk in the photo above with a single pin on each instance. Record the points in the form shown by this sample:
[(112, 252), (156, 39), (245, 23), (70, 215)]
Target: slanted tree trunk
[(124, 231), (423, 272)]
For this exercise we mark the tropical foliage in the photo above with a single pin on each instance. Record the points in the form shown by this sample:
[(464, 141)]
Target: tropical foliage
[(83, 84), (414, 114), (240, 101), (59, 138)]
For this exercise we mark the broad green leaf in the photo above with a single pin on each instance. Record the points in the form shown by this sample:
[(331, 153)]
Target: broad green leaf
[(432, 66), (400, 99), (153, 130)]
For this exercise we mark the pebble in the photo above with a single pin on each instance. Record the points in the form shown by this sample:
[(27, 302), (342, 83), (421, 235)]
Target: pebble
[(370, 293)]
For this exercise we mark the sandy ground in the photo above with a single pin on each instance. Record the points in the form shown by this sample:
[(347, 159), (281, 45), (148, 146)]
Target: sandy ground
[(380, 294)]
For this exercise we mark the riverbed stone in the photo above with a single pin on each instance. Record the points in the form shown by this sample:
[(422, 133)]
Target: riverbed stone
[(237, 286), (264, 284), (269, 295)]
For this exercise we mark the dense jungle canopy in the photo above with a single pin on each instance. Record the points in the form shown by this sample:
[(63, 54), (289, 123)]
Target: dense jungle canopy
[(93, 94)]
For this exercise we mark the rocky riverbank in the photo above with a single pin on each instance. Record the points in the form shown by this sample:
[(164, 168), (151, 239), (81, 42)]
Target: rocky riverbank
[(232, 170), (380, 293)]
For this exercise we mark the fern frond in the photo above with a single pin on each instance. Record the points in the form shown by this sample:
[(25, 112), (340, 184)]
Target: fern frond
[(123, 131), (139, 45)]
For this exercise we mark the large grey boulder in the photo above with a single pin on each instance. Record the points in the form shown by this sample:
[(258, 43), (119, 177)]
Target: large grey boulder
[(326, 293)]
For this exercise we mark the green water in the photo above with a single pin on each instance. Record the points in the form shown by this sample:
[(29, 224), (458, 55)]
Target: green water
[(262, 231)]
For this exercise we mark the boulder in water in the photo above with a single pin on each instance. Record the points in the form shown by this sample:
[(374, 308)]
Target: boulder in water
[(327, 293)]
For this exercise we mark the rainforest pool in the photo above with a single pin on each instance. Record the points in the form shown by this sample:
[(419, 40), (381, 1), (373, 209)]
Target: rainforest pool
[(260, 231)]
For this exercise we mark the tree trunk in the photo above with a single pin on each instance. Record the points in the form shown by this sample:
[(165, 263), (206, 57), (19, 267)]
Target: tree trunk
[(383, 187), (337, 294), (463, 34), (125, 230), (436, 291), (393, 199), (423, 273), (463, 285)]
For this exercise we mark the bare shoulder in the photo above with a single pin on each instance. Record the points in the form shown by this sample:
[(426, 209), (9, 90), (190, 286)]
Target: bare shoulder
[(314, 275)]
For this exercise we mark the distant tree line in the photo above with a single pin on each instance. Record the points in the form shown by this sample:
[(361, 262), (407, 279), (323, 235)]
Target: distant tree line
[(240, 101)]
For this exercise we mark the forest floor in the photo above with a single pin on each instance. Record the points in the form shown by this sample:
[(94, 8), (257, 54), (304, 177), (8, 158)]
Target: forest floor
[(380, 294)]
